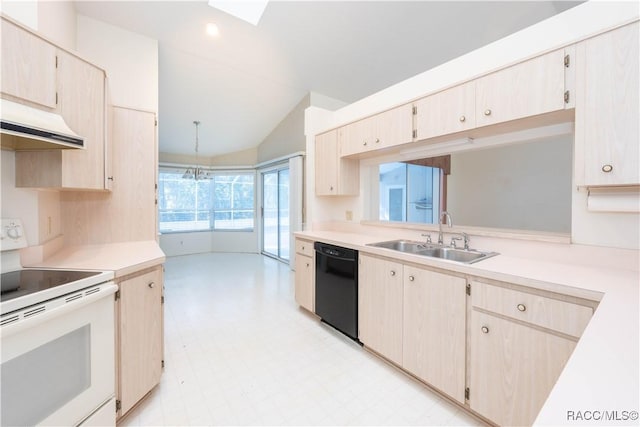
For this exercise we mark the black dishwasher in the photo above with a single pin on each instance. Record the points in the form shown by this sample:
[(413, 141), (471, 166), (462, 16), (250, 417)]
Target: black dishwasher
[(337, 287)]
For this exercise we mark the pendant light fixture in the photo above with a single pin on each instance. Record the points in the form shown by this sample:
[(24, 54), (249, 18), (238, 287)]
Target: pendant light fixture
[(196, 172)]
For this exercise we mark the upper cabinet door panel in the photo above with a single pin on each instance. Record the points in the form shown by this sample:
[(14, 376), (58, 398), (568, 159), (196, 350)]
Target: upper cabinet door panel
[(449, 111), (81, 103), (392, 127), (526, 89), (28, 66), (607, 125)]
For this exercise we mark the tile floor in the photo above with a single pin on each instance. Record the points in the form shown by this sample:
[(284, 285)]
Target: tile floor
[(239, 351)]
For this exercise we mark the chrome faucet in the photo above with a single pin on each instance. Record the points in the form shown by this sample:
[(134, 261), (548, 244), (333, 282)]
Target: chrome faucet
[(447, 217)]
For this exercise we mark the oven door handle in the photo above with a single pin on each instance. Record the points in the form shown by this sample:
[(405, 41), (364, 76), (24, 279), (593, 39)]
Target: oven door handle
[(38, 319)]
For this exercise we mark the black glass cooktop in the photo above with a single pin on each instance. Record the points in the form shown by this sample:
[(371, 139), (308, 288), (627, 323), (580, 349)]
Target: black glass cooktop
[(24, 282)]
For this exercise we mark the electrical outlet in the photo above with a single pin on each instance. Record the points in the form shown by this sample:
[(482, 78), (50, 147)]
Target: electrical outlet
[(348, 215)]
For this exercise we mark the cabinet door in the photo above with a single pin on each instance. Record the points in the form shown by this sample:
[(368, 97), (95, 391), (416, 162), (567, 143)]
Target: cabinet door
[(380, 306), (526, 89), (305, 283), (357, 137), (327, 164), (28, 66), (140, 336), (334, 176), (81, 103), (446, 112), (434, 329), (394, 127), (607, 108), (513, 368)]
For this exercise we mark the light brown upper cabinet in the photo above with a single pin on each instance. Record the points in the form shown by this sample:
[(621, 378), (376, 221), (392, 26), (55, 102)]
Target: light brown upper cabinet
[(334, 176), (392, 127), (523, 90), (81, 102), (28, 66), (446, 112), (607, 126)]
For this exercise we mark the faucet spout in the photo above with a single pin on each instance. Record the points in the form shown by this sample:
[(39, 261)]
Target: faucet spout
[(449, 222)]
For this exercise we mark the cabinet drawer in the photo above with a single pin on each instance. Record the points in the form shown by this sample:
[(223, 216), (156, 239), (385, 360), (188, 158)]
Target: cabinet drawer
[(304, 247), (561, 316)]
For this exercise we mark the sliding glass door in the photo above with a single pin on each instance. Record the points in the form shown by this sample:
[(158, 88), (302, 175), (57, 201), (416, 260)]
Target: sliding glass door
[(275, 213)]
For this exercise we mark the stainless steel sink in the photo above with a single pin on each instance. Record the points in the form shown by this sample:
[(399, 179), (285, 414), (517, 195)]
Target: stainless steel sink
[(435, 251), (406, 246)]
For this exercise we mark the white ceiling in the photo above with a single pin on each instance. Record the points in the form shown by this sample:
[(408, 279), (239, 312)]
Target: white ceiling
[(243, 83)]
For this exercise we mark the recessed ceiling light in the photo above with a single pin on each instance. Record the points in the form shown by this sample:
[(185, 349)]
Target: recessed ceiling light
[(212, 30), (247, 10)]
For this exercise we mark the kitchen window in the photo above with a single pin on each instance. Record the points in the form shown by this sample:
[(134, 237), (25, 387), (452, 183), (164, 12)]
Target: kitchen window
[(224, 202), (412, 191)]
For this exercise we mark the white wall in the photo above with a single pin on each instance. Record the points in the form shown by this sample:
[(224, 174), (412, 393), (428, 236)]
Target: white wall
[(130, 60), (523, 186), (605, 229), (209, 241), (25, 12), (57, 21), (288, 135)]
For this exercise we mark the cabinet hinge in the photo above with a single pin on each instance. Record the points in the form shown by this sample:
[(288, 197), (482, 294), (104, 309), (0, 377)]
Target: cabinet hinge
[(56, 61), (414, 110), (162, 302), (566, 97), (117, 295), (156, 202), (466, 393), (56, 98), (156, 122), (415, 133), (118, 405), (566, 61), (162, 363), (468, 288)]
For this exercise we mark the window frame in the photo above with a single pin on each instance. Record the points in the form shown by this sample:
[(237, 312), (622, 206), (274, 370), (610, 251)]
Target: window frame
[(211, 226)]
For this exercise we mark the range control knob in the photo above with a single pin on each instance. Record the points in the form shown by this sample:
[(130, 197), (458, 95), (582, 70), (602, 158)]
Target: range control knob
[(14, 232)]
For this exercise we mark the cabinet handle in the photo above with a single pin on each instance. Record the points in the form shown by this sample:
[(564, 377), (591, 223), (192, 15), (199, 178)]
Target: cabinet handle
[(377, 140), (331, 188), (307, 265), (522, 307), (487, 112), (462, 118), (607, 168), (411, 278), (151, 284), (364, 143), (485, 330), (110, 178), (393, 273)]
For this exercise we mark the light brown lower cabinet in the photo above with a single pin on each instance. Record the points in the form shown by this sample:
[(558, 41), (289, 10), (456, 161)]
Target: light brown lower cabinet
[(519, 343), (513, 368), (434, 329), (380, 306), (139, 336)]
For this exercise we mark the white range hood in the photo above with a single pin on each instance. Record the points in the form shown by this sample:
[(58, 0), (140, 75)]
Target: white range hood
[(27, 128)]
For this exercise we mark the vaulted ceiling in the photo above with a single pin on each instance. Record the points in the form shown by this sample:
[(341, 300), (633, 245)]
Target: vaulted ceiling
[(241, 84)]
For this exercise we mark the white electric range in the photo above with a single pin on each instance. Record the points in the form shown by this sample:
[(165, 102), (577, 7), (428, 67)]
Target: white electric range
[(57, 336)]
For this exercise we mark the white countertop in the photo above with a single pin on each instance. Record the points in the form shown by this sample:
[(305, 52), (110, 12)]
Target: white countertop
[(602, 373), (121, 258)]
